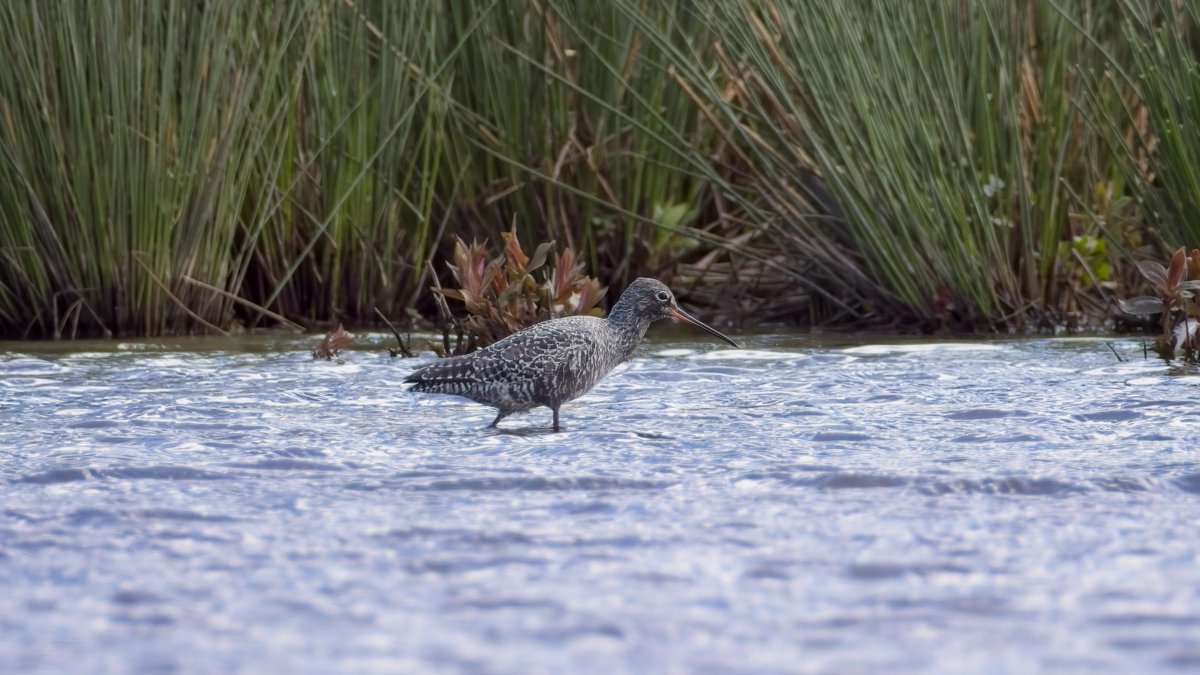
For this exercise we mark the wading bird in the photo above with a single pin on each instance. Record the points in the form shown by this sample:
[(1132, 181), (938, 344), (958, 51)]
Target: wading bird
[(555, 361)]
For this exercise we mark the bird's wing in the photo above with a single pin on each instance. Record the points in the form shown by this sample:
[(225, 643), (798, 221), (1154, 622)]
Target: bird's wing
[(535, 356), (549, 349)]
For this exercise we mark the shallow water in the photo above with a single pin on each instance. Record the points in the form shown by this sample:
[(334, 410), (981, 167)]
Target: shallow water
[(211, 506)]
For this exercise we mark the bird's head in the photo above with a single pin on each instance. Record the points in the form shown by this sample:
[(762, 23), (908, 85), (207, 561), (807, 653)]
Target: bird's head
[(651, 299)]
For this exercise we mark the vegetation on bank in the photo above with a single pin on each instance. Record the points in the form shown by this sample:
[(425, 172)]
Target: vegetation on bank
[(188, 166)]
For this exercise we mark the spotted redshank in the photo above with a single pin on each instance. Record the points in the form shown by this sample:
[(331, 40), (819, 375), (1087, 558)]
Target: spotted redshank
[(555, 361)]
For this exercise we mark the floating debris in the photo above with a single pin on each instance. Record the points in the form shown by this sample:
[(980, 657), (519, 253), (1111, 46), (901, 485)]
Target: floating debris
[(333, 342)]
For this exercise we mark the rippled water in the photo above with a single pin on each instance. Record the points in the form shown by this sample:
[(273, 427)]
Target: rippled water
[(1013, 506)]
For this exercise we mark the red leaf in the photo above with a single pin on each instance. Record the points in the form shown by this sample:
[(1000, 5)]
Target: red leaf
[(333, 341), (493, 278), (475, 304), (563, 264), (1178, 270), (517, 260)]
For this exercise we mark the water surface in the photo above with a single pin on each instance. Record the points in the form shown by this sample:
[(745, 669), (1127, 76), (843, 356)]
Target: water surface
[(219, 506)]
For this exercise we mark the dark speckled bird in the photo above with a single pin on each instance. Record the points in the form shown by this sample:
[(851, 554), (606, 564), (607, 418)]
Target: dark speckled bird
[(555, 361)]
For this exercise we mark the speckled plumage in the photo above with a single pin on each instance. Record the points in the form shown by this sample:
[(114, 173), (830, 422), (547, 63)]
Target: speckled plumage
[(555, 361)]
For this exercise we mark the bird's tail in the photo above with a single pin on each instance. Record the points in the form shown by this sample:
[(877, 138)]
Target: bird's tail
[(448, 376)]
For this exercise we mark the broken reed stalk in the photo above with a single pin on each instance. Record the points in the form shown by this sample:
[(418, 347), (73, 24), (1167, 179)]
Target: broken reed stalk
[(401, 348)]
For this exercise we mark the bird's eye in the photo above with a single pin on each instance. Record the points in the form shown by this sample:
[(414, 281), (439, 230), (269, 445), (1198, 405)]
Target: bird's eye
[(662, 296)]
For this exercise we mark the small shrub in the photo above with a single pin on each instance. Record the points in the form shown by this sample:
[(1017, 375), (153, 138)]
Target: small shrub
[(501, 294), (1175, 287)]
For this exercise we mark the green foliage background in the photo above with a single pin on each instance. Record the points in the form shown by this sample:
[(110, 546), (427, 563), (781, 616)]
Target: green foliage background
[(181, 165)]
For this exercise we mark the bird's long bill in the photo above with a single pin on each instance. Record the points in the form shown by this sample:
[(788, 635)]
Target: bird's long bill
[(677, 313)]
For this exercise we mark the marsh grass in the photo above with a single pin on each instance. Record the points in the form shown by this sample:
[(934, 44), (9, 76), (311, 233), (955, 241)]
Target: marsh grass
[(131, 136), (183, 166), (216, 164), (913, 159), (577, 133), (360, 179), (1155, 132)]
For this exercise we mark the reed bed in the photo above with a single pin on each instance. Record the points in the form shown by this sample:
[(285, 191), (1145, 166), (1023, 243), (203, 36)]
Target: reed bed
[(1154, 132), (185, 166), (132, 136), (916, 161)]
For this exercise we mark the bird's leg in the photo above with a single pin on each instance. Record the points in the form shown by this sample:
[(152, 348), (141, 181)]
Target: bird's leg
[(496, 421), (555, 409)]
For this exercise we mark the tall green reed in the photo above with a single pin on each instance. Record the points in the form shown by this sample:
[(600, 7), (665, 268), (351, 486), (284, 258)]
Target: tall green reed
[(214, 162), (911, 158), (361, 177), (577, 132), (179, 166), (129, 134), (1155, 132)]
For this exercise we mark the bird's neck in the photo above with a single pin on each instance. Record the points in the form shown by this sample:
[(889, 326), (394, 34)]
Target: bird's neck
[(628, 327)]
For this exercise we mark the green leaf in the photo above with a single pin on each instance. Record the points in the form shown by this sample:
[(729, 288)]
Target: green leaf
[(671, 216), (1154, 272)]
